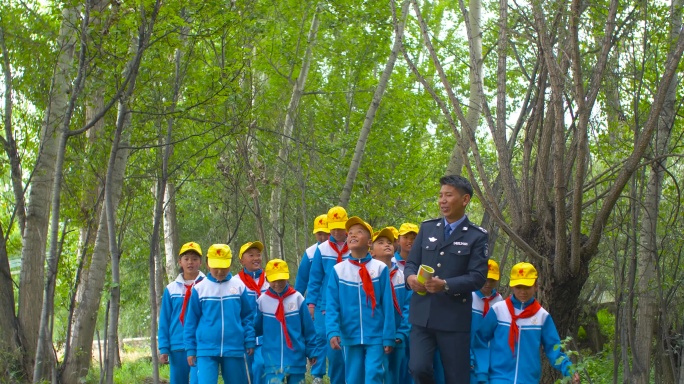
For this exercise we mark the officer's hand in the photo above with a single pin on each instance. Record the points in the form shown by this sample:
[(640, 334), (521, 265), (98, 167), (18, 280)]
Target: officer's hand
[(335, 342), (415, 285), (312, 308), (435, 284), (192, 360), (250, 351), (388, 350), (164, 358)]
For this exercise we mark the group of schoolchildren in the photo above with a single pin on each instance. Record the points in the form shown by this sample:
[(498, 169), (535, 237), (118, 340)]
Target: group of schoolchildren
[(255, 328)]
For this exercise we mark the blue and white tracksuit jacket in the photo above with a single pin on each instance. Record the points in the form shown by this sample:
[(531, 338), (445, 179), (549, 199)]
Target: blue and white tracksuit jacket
[(349, 315), (324, 260), (399, 261), (255, 275), (304, 270), (496, 364), (219, 320), (278, 358), (170, 331), (403, 327), (477, 318)]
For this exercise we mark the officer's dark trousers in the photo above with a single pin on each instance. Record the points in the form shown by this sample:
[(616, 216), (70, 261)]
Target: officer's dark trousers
[(454, 348)]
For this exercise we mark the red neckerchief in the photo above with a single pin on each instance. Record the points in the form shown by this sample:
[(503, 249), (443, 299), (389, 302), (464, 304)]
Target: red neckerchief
[(280, 311), (344, 250), (394, 295), (486, 302), (514, 332), (186, 298), (366, 282), (251, 284)]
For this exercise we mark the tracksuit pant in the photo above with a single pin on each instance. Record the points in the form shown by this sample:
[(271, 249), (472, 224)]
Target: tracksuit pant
[(364, 364), (181, 372), (234, 370), (336, 364)]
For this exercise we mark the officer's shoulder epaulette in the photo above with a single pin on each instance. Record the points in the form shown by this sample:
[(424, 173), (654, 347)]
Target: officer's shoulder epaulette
[(429, 220), (478, 227)]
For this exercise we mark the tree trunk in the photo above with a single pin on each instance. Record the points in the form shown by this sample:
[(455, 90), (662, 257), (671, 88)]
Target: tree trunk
[(455, 165), (116, 167), (171, 242), (649, 285), (77, 362), (34, 239), (345, 196), (14, 365), (283, 153), (9, 143)]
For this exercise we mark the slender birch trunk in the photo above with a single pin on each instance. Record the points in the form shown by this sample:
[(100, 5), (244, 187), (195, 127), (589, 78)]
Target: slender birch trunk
[(171, 241), (648, 282), (455, 165), (373, 108), (34, 239), (10, 336), (275, 250)]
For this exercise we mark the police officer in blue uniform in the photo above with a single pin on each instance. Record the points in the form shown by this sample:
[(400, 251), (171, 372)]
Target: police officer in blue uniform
[(457, 250)]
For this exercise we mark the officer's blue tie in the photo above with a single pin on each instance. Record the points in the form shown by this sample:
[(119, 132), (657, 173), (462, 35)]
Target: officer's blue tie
[(447, 231)]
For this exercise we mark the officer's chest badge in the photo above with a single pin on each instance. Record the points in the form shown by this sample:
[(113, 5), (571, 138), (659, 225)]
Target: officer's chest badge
[(460, 243), (432, 239)]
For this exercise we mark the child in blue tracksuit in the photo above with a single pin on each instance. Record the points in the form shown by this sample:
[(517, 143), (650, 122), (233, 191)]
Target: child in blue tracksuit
[(359, 309), (507, 342), (219, 324), (482, 302), (172, 315), (289, 333), (322, 233), (382, 250), (327, 255), (253, 277)]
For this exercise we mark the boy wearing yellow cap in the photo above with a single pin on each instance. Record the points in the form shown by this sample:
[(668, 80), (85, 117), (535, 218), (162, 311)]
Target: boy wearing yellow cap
[(506, 344), (383, 250), (359, 308), (327, 255), (289, 333), (172, 315), (253, 277), (219, 324), (406, 235), (322, 233), (483, 300)]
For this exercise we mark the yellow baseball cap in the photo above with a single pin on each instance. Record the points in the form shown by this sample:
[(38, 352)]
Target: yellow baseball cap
[(395, 232), (493, 270), (385, 232), (357, 220), (321, 224), (277, 269), (191, 246), (523, 274), (408, 228), (246, 246), (337, 217), (219, 256)]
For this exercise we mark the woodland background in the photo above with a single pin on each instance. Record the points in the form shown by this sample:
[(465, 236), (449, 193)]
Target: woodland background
[(130, 127)]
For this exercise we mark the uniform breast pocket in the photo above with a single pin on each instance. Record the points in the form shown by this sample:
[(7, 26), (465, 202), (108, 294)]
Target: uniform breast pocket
[(457, 258)]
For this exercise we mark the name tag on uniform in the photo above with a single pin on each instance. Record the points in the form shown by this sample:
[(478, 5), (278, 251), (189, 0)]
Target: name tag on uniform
[(432, 239), (460, 243)]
